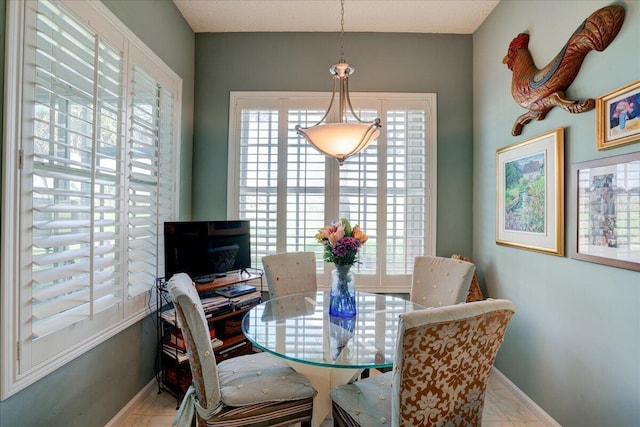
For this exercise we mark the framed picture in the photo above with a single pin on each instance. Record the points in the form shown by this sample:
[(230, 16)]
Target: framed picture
[(618, 117), (606, 199), (530, 194)]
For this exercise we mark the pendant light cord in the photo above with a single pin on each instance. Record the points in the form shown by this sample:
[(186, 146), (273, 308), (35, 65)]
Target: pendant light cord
[(342, 31)]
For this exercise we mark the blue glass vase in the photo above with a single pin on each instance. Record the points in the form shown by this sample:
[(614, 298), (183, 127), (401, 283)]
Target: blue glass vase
[(342, 298), (623, 119), (341, 330)]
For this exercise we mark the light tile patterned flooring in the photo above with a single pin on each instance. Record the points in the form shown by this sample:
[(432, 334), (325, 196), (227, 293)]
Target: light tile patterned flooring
[(502, 409)]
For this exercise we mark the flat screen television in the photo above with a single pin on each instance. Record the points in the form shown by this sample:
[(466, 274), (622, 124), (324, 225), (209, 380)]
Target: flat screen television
[(206, 249)]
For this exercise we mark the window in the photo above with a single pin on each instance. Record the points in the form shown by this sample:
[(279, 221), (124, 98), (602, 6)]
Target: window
[(91, 116), (288, 190)]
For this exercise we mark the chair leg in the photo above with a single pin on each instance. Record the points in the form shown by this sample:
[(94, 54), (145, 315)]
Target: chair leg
[(305, 423)]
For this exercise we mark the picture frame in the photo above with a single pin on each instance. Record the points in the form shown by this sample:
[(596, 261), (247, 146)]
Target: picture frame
[(618, 117), (606, 200), (530, 194)]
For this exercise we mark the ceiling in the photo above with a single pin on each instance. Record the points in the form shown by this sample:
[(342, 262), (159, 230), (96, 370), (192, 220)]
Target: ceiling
[(384, 16)]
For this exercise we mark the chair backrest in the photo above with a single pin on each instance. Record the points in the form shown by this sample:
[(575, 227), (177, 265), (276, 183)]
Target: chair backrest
[(444, 358), (290, 273), (439, 281), (195, 331)]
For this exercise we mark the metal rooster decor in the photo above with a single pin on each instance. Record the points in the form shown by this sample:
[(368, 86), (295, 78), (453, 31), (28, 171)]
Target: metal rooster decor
[(539, 91)]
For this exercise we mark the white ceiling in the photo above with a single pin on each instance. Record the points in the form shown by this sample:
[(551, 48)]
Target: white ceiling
[(385, 16)]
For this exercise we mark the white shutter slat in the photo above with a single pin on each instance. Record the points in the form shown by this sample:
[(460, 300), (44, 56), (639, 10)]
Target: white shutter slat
[(74, 315), (65, 256), (64, 178), (55, 224), (47, 276), (140, 268), (144, 248), (144, 284), (43, 293)]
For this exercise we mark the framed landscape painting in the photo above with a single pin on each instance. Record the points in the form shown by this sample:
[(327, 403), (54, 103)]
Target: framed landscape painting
[(606, 199), (530, 194), (618, 117)]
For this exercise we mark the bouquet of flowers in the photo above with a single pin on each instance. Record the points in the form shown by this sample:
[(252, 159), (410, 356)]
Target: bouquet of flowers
[(623, 108), (341, 242)]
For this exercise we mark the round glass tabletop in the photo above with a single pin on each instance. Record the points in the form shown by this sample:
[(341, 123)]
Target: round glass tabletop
[(299, 328)]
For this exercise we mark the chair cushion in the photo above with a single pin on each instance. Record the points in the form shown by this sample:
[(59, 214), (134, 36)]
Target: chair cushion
[(439, 281), (367, 401), (259, 378)]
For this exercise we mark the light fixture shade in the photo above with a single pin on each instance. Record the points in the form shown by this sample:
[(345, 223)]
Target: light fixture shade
[(341, 140)]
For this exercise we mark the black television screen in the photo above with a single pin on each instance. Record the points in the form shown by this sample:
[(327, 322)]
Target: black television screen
[(206, 249)]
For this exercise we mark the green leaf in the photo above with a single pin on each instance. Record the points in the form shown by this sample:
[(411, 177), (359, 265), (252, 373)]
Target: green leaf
[(347, 227)]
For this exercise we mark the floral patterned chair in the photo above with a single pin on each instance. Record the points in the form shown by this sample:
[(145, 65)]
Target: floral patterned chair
[(444, 357), (290, 273), (439, 281), (251, 390)]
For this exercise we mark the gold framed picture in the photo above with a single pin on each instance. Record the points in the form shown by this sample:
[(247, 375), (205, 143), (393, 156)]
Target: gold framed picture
[(618, 117), (530, 194)]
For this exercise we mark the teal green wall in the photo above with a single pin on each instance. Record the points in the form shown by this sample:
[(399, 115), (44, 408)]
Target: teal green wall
[(300, 62), (573, 345), (91, 389)]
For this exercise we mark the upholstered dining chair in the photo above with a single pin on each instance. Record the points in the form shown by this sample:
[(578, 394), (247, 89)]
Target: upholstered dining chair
[(251, 390), (439, 281), (444, 356), (290, 273)]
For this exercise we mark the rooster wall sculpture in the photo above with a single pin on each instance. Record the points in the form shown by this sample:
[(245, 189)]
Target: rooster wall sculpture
[(539, 91)]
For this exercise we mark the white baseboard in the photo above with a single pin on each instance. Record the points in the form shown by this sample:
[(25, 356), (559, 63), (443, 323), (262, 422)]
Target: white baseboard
[(524, 399), (119, 418)]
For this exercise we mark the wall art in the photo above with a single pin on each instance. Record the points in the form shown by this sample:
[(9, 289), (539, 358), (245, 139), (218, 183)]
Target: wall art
[(530, 194), (606, 200), (539, 90), (618, 117)]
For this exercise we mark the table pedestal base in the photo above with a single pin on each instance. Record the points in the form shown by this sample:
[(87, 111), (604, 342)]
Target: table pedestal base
[(323, 379)]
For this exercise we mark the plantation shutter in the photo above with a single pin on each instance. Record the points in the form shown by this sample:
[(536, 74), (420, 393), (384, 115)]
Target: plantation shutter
[(97, 169), (75, 169), (360, 195), (406, 191), (150, 110), (305, 185), (258, 178)]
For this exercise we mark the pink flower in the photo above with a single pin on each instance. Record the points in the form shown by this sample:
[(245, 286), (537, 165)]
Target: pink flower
[(623, 106), (333, 233)]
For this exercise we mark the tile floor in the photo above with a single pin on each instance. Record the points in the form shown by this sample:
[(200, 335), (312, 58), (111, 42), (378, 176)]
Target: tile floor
[(502, 409)]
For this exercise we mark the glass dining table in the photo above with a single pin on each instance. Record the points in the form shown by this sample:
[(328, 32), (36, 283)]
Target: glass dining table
[(330, 351)]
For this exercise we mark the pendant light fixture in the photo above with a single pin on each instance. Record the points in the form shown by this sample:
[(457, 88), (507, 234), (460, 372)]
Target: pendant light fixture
[(342, 139)]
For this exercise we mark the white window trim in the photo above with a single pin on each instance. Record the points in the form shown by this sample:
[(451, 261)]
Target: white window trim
[(399, 283), (12, 381)]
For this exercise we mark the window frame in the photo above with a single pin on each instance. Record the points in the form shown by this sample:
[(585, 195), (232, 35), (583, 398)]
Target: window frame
[(282, 101), (102, 21)]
